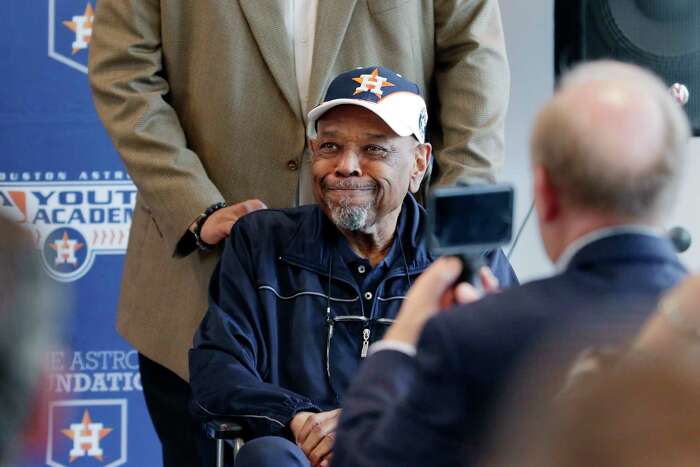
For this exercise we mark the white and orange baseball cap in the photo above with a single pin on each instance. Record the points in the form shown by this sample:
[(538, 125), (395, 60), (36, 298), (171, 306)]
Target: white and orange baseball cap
[(384, 92)]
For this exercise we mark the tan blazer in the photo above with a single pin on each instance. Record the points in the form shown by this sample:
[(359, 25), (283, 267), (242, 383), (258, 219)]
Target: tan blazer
[(200, 99)]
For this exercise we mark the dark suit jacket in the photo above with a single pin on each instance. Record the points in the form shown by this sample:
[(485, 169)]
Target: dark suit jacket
[(435, 408)]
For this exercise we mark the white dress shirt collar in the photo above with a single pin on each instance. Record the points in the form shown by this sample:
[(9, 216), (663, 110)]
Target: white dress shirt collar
[(300, 22)]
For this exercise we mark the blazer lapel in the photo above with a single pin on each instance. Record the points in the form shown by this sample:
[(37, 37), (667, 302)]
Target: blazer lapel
[(332, 22), (267, 23)]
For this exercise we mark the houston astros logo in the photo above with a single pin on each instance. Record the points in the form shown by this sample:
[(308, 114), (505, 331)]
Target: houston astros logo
[(86, 437), (70, 31), (65, 249), (71, 222), (371, 83), (82, 27), (66, 254), (87, 433)]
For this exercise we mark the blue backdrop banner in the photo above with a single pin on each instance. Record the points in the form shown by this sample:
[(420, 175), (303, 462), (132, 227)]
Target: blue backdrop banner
[(61, 177)]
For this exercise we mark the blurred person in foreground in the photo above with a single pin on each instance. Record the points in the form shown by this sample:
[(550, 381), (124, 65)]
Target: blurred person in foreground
[(644, 387), (27, 326), (291, 314), (607, 151), (643, 411)]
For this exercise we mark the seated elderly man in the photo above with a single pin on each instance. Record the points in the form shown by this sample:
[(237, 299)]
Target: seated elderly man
[(300, 294)]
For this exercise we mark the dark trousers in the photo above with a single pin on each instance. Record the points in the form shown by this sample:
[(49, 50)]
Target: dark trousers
[(271, 451), (182, 439)]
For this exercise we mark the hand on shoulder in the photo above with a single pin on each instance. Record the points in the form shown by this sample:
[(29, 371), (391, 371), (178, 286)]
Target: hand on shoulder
[(218, 226)]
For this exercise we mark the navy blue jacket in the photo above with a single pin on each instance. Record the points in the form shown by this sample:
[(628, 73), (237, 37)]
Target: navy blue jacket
[(433, 410), (268, 346)]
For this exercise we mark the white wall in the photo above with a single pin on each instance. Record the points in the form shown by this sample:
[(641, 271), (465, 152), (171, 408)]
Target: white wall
[(529, 30)]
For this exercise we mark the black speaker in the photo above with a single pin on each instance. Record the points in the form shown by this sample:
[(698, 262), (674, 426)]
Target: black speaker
[(661, 35)]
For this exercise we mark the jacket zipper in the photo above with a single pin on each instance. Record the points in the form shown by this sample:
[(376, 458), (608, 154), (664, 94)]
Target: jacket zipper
[(328, 343), (366, 333), (365, 342)]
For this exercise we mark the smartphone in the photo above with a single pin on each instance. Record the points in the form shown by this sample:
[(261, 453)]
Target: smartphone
[(468, 220)]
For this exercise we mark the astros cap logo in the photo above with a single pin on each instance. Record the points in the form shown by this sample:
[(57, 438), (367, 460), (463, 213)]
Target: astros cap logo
[(372, 83)]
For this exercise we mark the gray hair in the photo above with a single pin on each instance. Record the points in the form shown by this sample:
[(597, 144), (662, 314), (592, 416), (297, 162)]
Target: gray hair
[(631, 191), (27, 320)]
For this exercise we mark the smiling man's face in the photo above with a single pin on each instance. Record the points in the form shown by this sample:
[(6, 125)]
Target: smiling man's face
[(362, 169)]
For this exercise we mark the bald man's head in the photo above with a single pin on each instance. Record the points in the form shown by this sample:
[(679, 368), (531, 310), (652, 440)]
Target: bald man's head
[(612, 139)]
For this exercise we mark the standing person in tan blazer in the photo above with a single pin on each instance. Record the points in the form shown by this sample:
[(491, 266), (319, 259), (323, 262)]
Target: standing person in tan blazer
[(205, 102)]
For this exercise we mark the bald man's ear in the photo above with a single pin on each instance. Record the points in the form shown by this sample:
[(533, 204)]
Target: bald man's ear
[(422, 153), (547, 199)]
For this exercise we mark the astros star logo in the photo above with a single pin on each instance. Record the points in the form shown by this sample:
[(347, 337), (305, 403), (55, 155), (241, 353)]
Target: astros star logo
[(86, 437), (372, 83), (65, 249), (82, 27)]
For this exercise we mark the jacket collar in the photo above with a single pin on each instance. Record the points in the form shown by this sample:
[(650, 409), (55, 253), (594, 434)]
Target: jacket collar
[(626, 247), (577, 245), (314, 242)]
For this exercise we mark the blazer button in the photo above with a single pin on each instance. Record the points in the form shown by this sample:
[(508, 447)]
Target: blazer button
[(292, 164)]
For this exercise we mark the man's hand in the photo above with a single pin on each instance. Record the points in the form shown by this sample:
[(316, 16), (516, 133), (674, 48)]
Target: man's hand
[(434, 291), (315, 435), (219, 224)]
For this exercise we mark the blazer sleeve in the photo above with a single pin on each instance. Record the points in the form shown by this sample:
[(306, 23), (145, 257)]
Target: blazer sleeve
[(129, 88), (230, 361), (472, 80), (390, 418)]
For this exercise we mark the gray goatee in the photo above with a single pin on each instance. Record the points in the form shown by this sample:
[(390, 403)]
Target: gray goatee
[(350, 217)]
